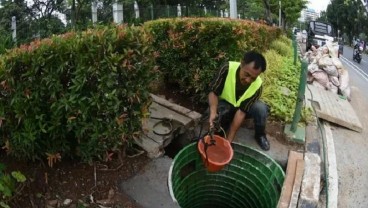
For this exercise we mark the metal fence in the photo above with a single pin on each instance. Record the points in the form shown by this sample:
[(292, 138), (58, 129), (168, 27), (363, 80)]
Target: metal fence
[(28, 29), (152, 12)]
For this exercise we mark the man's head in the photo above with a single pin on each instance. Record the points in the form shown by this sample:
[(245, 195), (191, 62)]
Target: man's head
[(252, 65)]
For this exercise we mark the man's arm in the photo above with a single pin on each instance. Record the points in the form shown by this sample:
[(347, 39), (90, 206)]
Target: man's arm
[(213, 102), (235, 124), (216, 88), (241, 114)]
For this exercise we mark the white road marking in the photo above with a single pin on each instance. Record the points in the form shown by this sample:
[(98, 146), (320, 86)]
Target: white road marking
[(355, 67)]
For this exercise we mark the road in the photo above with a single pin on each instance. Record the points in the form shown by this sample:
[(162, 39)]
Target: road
[(358, 72), (352, 147)]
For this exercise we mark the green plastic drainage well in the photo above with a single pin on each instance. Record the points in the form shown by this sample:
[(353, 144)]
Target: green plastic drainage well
[(252, 179)]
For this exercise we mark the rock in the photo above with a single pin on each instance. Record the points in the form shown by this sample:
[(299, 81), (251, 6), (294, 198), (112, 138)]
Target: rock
[(285, 91), (52, 203), (67, 202)]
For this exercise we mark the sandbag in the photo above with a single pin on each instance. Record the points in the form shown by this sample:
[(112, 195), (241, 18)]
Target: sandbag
[(331, 70), (346, 92), (344, 87), (337, 62), (333, 88), (324, 61), (333, 49), (322, 78), (343, 79), (334, 80), (313, 68), (310, 78)]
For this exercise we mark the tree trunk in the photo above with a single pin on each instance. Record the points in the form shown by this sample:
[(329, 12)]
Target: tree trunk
[(266, 4), (73, 14)]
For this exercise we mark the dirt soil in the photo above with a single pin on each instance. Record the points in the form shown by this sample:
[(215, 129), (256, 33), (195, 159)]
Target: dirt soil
[(86, 185), (74, 184)]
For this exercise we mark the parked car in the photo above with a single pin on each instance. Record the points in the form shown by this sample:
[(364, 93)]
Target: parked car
[(296, 30)]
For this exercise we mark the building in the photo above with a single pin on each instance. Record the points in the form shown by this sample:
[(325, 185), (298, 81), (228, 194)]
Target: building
[(308, 15)]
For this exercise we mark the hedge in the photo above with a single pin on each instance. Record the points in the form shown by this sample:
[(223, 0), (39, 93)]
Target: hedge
[(191, 50), (75, 95)]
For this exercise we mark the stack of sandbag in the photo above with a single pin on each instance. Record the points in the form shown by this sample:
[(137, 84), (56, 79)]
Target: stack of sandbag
[(326, 71), (312, 55), (344, 88), (325, 63)]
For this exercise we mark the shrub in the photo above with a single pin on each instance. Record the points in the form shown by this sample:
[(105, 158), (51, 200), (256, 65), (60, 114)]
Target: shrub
[(79, 94), (5, 41), (285, 40), (191, 50), (281, 74), (282, 48)]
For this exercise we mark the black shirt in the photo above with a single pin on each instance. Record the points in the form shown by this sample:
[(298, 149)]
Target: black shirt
[(217, 85)]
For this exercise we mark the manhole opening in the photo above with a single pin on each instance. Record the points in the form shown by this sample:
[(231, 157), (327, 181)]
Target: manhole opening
[(177, 143), (183, 138)]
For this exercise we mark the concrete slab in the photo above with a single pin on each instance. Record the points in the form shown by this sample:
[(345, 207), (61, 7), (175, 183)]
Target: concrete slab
[(149, 188), (167, 120), (297, 183), (192, 115), (278, 150), (309, 193), (329, 106), (287, 189)]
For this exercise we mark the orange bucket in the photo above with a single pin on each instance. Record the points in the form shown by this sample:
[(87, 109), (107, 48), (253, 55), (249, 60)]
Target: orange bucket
[(218, 155)]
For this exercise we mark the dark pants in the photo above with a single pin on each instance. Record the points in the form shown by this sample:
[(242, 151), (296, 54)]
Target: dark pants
[(258, 111)]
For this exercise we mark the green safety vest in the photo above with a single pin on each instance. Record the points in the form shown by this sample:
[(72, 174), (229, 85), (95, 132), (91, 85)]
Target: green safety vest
[(229, 92)]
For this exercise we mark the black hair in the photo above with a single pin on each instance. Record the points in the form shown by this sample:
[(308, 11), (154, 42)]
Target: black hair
[(259, 60)]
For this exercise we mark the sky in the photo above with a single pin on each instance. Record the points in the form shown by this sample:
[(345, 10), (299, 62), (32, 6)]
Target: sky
[(318, 5)]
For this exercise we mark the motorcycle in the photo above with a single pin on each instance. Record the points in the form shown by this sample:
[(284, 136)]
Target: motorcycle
[(357, 54)]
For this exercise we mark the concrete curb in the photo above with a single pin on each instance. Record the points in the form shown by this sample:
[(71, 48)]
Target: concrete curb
[(332, 175)]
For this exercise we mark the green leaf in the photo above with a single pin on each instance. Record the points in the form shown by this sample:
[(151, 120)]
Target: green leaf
[(3, 205), (18, 176)]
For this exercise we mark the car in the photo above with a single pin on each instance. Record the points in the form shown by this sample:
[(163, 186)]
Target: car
[(296, 31)]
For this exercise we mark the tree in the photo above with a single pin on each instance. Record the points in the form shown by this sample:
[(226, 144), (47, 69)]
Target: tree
[(322, 17), (251, 9), (44, 13), (347, 16), (290, 10), (19, 9)]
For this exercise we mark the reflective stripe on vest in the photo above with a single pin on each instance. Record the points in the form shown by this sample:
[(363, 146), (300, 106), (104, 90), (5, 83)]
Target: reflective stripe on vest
[(229, 92)]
